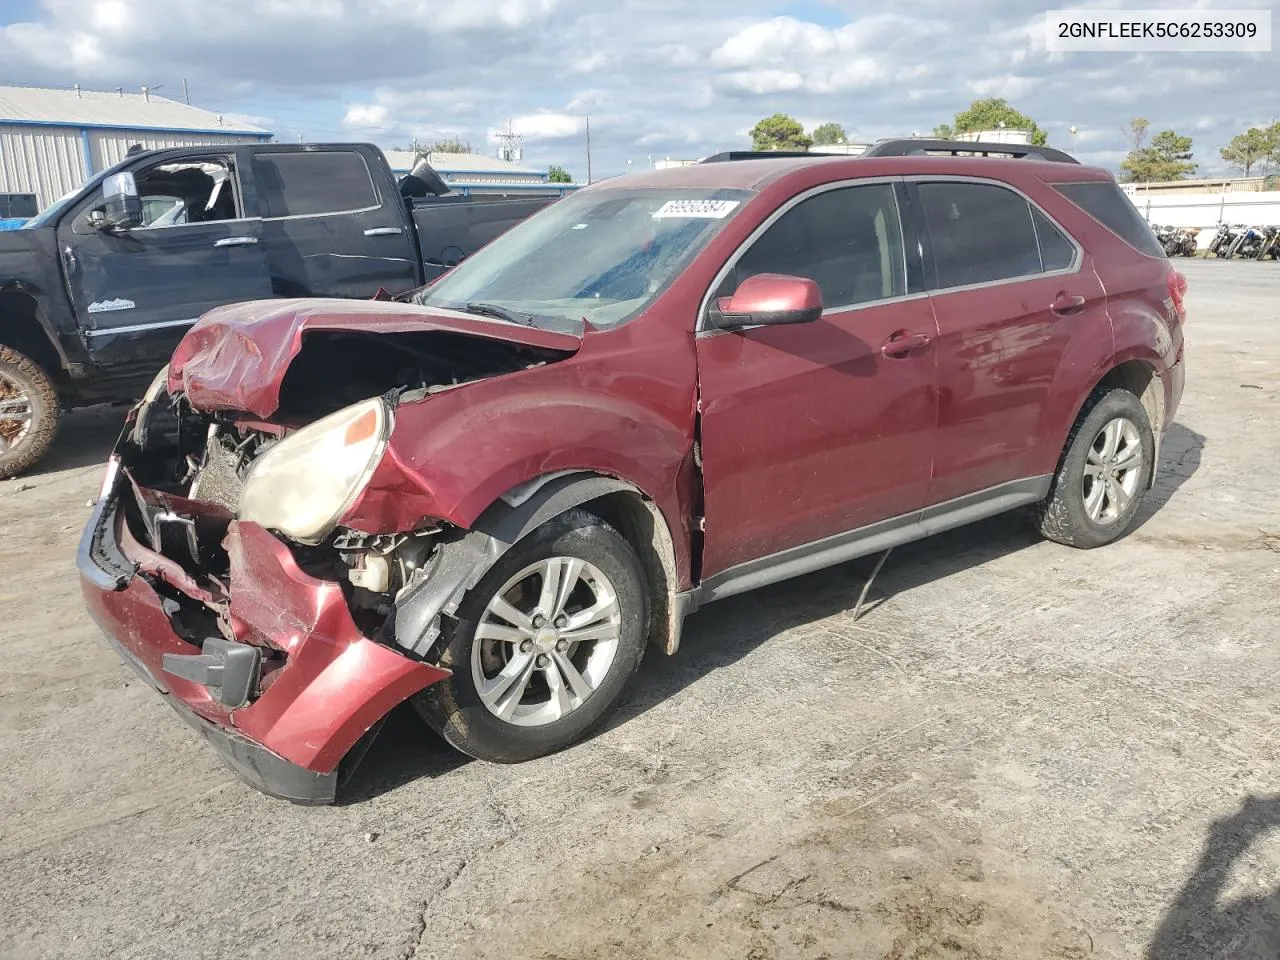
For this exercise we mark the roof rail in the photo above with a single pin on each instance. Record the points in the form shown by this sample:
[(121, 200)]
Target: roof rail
[(920, 147), (757, 155)]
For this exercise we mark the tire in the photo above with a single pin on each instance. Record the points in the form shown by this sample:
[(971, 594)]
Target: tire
[(535, 725), (27, 390), (1070, 514)]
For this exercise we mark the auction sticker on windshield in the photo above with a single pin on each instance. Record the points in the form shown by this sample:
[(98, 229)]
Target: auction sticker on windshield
[(702, 209)]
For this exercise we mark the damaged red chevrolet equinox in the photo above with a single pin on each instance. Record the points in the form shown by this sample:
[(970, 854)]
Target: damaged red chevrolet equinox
[(663, 390)]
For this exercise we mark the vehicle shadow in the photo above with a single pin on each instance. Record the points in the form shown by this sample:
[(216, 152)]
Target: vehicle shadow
[(1197, 926), (404, 750), (1180, 458), (85, 437)]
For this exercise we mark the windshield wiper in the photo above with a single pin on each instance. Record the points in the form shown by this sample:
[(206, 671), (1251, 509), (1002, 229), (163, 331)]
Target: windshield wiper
[(501, 313)]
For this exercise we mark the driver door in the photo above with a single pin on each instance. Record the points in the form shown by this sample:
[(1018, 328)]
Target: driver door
[(815, 430), (136, 292)]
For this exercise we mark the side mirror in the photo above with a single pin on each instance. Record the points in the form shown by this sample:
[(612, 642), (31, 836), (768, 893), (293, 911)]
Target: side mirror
[(122, 208), (769, 298)]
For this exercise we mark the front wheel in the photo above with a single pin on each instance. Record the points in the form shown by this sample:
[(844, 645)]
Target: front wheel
[(29, 413), (544, 644), (1104, 473)]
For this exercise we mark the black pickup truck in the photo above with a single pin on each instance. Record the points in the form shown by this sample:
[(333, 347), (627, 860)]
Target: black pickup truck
[(96, 291)]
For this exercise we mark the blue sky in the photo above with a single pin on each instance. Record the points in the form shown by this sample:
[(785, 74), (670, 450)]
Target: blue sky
[(658, 77)]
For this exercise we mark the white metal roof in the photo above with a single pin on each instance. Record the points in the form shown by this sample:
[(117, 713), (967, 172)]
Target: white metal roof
[(97, 108)]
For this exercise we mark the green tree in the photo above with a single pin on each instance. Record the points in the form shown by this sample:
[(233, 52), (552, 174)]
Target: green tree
[(1135, 132), (1168, 158), (780, 132), (450, 145), (990, 114), (558, 174), (829, 133), (1253, 146)]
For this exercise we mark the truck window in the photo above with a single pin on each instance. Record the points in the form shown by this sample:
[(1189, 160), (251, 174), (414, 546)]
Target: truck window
[(176, 193), (305, 183)]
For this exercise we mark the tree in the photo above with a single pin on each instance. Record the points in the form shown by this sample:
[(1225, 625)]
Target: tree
[(1135, 132), (1251, 147), (450, 145), (780, 132), (1168, 158), (990, 114), (829, 133), (558, 174)]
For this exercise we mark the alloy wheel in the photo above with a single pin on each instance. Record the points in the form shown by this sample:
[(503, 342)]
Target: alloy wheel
[(15, 414), (546, 641), (1112, 470)]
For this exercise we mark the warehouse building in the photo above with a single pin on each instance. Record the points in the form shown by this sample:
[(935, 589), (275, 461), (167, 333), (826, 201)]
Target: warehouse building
[(51, 141), (475, 174)]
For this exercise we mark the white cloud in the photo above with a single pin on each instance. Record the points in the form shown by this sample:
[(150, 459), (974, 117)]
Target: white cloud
[(660, 77)]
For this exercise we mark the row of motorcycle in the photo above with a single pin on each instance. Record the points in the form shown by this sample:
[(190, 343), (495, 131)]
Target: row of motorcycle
[(1230, 240)]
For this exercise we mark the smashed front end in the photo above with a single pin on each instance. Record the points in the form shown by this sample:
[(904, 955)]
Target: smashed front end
[(218, 562)]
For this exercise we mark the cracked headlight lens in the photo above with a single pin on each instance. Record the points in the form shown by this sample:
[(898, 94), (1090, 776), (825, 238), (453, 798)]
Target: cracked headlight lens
[(303, 485)]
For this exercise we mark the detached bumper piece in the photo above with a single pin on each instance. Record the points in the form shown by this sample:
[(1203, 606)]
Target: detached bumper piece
[(230, 670)]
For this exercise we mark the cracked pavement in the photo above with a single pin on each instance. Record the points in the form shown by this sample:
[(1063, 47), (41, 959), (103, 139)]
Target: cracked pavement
[(1020, 750)]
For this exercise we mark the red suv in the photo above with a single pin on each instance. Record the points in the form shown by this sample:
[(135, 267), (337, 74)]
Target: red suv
[(665, 389)]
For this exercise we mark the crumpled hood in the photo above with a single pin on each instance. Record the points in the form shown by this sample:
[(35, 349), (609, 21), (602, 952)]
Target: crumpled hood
[(235, 357)]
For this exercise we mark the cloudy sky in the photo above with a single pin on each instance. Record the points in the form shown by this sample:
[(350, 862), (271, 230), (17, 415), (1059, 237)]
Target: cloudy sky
[(658, 78)]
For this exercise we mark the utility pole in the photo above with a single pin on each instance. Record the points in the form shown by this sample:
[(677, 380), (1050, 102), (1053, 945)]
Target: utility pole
[(186, 97), (588, 151)]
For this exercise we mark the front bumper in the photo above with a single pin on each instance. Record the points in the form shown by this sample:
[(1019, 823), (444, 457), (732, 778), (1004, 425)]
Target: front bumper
[(328, 686)]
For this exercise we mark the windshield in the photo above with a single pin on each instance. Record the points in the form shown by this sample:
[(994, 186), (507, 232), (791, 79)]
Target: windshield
[(600, 255)]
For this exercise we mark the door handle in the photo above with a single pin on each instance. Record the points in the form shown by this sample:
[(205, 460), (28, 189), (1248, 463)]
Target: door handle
[(1067, 305), (69, 259), (383, 232), (902, 344), (236, 242)]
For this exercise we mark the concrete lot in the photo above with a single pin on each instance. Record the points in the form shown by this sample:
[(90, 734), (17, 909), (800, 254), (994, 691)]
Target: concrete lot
[(1024, 751)]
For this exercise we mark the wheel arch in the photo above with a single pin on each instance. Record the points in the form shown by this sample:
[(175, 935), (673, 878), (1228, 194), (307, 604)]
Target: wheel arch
[(24, 328), (1140, 375), (517, 513)]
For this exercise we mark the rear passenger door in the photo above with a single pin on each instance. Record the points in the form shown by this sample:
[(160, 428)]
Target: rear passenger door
[(1010, 288), (329, 230)]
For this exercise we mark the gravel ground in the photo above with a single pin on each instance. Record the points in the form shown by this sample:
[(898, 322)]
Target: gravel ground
[(1022, 751)]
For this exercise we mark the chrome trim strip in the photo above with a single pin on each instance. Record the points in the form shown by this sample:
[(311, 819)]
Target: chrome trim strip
[(700, 325), (139, 327)]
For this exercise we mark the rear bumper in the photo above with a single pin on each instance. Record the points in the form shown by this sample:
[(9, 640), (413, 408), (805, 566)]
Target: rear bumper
[(328, 684)]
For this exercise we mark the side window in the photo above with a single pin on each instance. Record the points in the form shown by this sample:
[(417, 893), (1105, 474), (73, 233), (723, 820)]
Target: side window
[(848, 241), (202, 190), (1056, 251), (18, 205), (1106, 203), (979, 233), (305, 183)]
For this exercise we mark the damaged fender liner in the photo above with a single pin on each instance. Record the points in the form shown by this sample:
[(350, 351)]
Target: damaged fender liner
[(461, 564)]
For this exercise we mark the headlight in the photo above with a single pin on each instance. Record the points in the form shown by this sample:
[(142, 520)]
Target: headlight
[(304, 484)]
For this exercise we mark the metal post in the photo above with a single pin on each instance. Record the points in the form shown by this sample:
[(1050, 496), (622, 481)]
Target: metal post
[(588, 150), (186, 97)]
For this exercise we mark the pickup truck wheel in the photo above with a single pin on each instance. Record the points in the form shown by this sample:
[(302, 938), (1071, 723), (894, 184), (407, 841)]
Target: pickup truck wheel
[(1104, 473), (29, 412), (544, 644)]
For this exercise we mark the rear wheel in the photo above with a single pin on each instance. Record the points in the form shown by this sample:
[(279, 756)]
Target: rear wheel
[(544, 644), (29, 412), (1104, 473)]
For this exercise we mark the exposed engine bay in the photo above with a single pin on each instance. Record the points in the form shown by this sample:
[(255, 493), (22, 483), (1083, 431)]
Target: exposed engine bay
[(189, 469)]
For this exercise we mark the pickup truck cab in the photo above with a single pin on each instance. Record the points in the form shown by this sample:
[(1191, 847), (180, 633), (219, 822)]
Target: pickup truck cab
[(664, 390), (93, 301)]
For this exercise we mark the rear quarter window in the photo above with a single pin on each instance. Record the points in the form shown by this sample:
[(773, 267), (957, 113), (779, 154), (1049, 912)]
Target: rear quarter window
[(1106, 203)]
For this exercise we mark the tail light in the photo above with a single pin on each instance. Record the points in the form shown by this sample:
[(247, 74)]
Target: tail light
[(1178, 290)]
